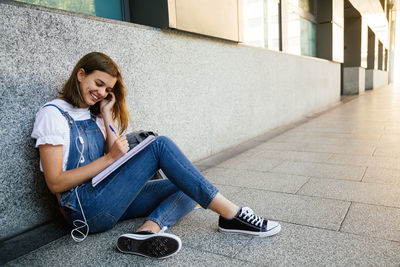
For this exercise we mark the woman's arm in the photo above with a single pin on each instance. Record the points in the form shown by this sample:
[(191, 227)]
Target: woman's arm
[(106, 113), (59, 181)]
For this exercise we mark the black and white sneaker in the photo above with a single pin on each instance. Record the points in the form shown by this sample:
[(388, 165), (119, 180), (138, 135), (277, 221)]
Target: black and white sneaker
[(246, 222), (148, 244)]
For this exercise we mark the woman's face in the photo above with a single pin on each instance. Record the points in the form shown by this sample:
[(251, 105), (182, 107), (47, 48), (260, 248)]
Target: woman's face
[(95, 86)]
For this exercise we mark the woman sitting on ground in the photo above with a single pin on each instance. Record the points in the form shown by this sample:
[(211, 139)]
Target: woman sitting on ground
[(76, 142)]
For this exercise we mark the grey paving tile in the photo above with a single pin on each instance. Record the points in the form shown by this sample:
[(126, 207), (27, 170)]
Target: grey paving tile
[(369, 193), (318, 139), (370, 161), (323, 213), (373, 221), (272, 145), (340, 149), (385, 151), (390, 138), (243, 162), (382, 176), (348, 136), (258, 180), (293, 155), (299, 245), (319, 148), (321, 170)]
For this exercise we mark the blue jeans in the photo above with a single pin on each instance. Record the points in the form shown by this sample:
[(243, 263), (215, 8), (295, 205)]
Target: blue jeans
[(128, 193)]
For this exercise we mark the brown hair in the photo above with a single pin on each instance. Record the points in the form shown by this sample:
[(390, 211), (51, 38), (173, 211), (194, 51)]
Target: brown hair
[(101, 62)]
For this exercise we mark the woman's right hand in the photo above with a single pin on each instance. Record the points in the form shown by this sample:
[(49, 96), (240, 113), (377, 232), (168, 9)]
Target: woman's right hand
[(119, 148)]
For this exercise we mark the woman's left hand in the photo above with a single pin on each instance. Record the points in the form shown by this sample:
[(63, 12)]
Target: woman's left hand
[(107, 103)]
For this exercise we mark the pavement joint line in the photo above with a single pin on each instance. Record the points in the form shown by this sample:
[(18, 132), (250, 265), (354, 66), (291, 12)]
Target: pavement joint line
[(344, 218), (375, 205), (373, 152), (307, 225), (246, 187), (344, 200), (331, 156), (370, 236), (356, 181), (342, 232), (243, 247), (317, 177), (334, 153), (336, 164), (316, 162), (365, 171), (256, 171), (381, 183), (309, 178)]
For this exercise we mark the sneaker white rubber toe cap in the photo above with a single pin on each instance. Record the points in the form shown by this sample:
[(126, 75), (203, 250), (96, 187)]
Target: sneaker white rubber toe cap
[(272, 228)]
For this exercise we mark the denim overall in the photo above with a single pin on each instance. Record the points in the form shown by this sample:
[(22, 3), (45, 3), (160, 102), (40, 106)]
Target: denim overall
[(127, 192)]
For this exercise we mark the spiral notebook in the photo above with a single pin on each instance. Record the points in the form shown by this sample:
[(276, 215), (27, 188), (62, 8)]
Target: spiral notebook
[(135, 150)]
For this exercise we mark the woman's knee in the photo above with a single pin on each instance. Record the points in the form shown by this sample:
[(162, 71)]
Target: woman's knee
[(163, 139)]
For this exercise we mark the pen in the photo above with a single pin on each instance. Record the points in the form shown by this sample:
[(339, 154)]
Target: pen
[(112, 129)]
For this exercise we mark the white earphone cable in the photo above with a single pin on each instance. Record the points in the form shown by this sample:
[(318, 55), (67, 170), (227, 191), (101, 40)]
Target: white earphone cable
[(81, 236), (77, 230), (81, 157)]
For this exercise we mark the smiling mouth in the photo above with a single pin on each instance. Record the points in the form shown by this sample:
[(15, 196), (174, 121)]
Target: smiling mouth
[(94, 97)]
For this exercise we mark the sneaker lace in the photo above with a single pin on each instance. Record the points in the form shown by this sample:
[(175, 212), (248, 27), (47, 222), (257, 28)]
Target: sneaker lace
[(248, 215)]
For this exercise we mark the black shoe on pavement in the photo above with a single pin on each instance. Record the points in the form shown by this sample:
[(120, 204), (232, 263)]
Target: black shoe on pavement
[(246, 222), (148, 244)]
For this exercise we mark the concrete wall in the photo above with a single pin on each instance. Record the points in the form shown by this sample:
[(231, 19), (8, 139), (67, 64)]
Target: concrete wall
[(381, 78), (208, 95), (353, 80), (375, 78)]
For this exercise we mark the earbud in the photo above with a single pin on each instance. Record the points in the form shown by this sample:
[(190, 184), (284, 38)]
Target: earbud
[(82, 158)]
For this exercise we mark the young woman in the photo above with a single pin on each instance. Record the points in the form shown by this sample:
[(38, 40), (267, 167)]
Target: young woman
[(76, 141)]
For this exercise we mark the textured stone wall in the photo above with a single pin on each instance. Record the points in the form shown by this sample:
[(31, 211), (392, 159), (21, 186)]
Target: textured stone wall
[(207, 94)]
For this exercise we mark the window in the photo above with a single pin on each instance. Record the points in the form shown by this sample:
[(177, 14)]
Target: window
[(302, 29), (111, 9), (305, 5), (260, 23)]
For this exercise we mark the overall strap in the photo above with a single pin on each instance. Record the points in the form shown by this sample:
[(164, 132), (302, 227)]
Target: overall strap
[(64, 113), (93, 117), (67, 116)]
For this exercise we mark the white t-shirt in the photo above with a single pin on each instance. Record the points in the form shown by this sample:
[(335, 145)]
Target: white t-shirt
[(51, 127)]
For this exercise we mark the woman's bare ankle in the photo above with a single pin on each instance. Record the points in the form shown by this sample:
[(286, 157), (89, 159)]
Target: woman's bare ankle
[(149, 226), (223, 206)]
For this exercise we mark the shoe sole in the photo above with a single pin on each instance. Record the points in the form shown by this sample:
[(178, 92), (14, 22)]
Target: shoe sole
[(159, 246), (270, 232)]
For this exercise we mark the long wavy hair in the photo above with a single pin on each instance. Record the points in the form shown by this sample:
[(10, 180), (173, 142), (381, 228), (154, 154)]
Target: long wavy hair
[(98, 61)]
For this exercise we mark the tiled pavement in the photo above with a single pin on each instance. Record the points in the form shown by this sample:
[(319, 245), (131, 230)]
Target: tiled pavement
[(333, 182)]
